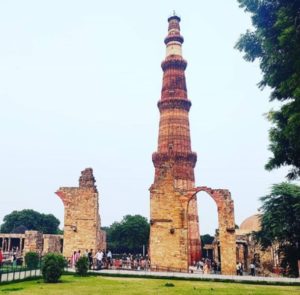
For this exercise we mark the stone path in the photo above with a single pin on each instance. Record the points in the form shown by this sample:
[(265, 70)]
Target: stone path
[(200, 276)]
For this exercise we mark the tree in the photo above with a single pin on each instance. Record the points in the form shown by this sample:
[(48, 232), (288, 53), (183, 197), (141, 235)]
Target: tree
[(280, 224), (31, 260), (275, 42), (52, 267), (31, 220), (82, 266), (206, 239), (129, 235)]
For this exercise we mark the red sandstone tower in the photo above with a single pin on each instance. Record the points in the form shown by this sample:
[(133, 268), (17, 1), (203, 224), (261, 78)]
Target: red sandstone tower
[(174, 152)]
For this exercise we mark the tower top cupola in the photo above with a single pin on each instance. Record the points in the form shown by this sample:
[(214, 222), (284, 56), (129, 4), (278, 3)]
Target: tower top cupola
[(174, 40)]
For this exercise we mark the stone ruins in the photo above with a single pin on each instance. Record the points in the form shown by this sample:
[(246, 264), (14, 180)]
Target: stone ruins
[(174, 234), (82, 221), (31, 241)]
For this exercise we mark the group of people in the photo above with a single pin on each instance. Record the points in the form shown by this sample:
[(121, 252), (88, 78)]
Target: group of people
[(97, 260), (104, 259), (207, 266), (129, 261), (10, 257), (240, 268)]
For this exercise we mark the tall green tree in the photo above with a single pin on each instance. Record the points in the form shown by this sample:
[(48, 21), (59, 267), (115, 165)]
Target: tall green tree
[(31, 220), (280, 224), (129, 235), (275, 43)]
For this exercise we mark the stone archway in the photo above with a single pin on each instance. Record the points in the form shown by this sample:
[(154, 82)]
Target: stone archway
[(227, 238)]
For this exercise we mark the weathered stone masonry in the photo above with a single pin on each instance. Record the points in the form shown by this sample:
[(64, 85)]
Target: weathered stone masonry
[(174, 233), (82, 221), (174, 164)]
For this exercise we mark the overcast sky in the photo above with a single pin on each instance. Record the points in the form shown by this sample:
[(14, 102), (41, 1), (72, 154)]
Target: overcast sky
[(79, 83)]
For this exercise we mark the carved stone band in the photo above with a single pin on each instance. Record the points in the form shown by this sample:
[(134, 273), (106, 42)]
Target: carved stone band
[(174, 63), (183, 104)]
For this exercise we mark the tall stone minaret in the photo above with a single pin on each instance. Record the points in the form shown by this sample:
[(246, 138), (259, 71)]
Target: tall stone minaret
[(174, 236)]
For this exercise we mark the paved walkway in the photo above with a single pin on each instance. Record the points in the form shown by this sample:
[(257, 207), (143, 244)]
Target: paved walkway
[(199, 276)]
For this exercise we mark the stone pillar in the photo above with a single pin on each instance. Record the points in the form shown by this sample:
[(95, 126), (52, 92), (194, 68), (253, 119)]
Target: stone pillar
[(20, 245), (4, 245), (82, 220), (169, 247), (227, 237), (9, 244)]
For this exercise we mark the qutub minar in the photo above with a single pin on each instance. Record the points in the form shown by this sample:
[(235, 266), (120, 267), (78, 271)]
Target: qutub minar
[(174, 235), (174, 140)]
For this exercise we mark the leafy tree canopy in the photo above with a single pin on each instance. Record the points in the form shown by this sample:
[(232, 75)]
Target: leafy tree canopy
[(275, 42), (280, 224), (206, 239), (129, 235), (31, 220)]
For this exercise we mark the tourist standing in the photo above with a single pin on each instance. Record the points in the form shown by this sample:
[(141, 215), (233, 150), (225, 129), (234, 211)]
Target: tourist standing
[(14, 259), (214, 266), (252, 269), (241, 269), (99, 257), (90, 258), (78, 254), (205, 268), (109, 258), (73, 259), (238, 269), (1, 257)]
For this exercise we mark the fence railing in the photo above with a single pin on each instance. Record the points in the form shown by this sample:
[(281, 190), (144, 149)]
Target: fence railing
[(17, 273)]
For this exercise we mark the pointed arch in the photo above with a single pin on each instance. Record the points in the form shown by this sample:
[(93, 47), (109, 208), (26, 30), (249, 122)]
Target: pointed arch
[(227, 239)]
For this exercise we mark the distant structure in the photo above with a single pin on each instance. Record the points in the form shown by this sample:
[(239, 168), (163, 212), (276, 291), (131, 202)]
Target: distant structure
[(82, 220), (248, 251), (30, 241), (174, 234)]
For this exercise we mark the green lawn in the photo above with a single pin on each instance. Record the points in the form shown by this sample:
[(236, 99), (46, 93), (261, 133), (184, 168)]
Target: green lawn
[(116, 285)]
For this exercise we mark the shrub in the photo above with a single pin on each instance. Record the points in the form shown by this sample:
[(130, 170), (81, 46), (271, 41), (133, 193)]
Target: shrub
[(52, 267), (82, 266), (31, 260)]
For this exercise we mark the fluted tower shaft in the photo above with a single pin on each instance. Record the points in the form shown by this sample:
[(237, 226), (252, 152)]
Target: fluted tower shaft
[(174, 140)]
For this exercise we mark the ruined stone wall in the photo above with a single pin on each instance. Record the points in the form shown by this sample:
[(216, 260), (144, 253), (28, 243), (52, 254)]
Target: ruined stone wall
[(33, 242), (82, 220), (52, 243), (265, 260)]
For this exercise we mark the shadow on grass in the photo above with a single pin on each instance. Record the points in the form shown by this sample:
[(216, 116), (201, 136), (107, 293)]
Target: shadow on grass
[(11, 289)]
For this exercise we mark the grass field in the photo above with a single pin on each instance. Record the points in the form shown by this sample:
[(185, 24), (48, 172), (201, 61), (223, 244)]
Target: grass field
[(112, 285)]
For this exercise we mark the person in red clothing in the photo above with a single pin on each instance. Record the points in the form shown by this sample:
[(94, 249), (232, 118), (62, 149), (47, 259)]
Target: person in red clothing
[(1, 257)]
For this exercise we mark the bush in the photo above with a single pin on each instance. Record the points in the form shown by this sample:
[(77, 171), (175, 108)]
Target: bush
[(52, 267), (82, 266), (31, 260)]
